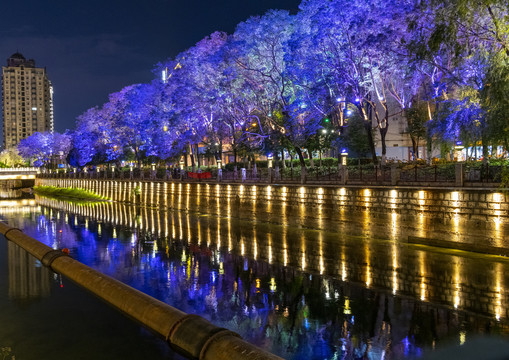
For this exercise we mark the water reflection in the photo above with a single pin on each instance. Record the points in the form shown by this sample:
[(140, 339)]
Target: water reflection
[(28, 279), (298, 292)]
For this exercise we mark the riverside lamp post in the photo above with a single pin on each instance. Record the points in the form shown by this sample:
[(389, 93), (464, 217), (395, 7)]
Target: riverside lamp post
[(344, 156), (458, 151), (269, 166)]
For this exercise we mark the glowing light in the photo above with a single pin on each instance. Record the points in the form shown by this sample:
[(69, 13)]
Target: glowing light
[(463, 336), (272, 285), (346, 309)]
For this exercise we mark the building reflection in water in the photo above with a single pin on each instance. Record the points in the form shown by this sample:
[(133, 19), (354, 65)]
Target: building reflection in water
[(28, 279), (310, 292)]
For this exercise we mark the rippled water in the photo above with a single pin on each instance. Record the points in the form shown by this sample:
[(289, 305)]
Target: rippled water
[(299, 292)]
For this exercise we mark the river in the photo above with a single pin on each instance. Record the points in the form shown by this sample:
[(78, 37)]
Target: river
[(299, 292)]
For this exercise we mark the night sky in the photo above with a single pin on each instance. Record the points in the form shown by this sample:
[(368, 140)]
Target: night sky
[(95, 47)]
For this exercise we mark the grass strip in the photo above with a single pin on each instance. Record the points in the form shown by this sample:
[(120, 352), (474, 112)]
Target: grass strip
[(70, 193)]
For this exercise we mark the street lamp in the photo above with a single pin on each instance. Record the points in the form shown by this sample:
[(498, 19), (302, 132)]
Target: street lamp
[(344, 156), (458, 151), (182, 164), (269, 159)]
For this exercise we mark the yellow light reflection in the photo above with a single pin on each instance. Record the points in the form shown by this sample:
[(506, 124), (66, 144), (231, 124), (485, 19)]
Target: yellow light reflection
[(343, 270), (272, 285), (463, 337), (393, 198), (320, 195), (346, 309), (394, 269), (367, 197), (499, 274), (342, 196), (457, 284), (394, 225), (269, 240), (302, 191), (368, 265), (422, 262)]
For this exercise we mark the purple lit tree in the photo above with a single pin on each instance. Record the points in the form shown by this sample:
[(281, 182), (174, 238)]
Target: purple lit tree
[(44, 148), (282, 117)]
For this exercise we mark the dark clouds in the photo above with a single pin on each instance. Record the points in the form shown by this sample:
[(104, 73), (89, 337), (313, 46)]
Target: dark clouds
[(93, 48)]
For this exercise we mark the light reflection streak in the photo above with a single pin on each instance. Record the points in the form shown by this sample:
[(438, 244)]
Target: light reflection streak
[(343, 264), (269, 248), (422, 262), (457, 283), (394, 225), (392, 199), (368, 264), (367, 197), (303, 251), (499, 273)]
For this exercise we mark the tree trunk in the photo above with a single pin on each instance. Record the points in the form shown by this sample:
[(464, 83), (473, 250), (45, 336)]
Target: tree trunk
[(428, 149), (383, 134), (301, 157), (484, 150), (191, 155), (221, 152), (198, 157), (283, 157), (311, 161), (414, 147), (371, 143)]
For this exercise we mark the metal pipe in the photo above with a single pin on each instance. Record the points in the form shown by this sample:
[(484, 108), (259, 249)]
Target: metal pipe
[(189, 335)]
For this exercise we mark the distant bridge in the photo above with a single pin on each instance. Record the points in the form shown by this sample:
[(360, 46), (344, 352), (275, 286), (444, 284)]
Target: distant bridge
[(18, 173)]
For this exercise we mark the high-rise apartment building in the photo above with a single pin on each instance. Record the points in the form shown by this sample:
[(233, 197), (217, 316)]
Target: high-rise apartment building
[(27, 100)]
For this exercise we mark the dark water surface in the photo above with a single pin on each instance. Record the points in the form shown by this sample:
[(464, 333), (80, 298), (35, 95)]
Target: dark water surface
[(299, 292)]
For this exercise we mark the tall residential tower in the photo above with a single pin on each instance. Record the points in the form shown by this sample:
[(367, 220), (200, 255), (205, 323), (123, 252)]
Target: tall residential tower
[(27, 100)]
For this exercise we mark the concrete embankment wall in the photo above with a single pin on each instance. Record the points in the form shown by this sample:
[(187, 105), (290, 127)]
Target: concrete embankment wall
[(189, 335), (478, 217)]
